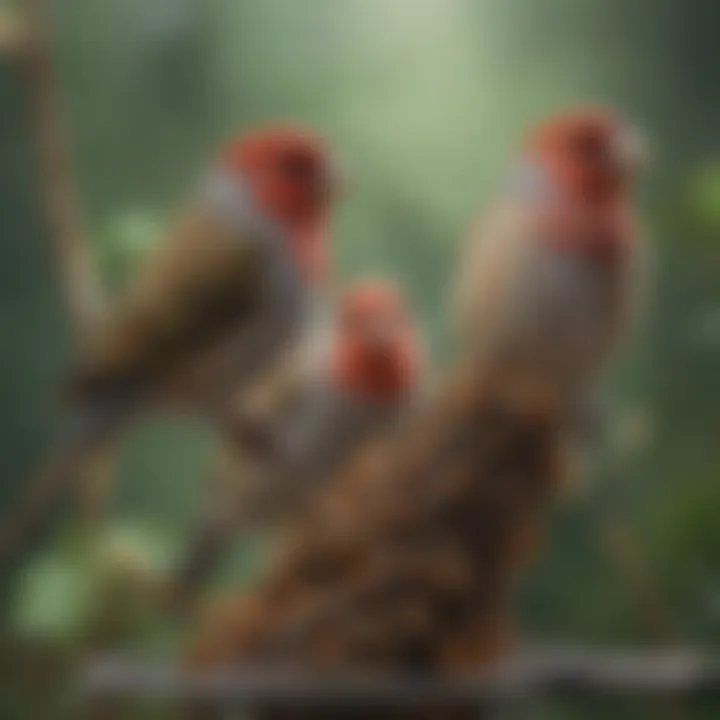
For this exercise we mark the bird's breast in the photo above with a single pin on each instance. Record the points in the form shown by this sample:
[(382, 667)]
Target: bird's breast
[(564, 313)]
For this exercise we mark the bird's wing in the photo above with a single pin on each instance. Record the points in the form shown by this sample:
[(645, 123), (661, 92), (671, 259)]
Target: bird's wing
[(202, 284), (495, 258)]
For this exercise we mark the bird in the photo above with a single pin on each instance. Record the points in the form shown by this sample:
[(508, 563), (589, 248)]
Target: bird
[(363, 380), (553, 275), (405, 569), (218, 301)]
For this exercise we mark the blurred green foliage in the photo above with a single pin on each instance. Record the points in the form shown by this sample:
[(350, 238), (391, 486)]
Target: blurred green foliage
[(426, 98)]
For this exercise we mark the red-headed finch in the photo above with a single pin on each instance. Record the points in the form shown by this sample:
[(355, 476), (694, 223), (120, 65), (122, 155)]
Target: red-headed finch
[(552, 275), (222, 296), (359, 384)]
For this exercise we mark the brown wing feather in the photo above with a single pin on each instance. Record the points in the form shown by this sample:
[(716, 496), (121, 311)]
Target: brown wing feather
[(492, 265), (198, 286)]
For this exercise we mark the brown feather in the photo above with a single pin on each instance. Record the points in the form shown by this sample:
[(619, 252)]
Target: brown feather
[(199, 285), (307, 429), (409, 563)]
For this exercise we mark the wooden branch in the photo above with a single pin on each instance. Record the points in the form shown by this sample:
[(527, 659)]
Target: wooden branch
[(28, 39), (565, 673), (55, 176)]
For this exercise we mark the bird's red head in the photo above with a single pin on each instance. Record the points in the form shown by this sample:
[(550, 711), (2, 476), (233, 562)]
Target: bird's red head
[(292, 178), (376, 351), (590, 155)]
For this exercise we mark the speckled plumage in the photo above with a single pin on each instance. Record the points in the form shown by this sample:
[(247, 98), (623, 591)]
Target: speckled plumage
[(408, 563)]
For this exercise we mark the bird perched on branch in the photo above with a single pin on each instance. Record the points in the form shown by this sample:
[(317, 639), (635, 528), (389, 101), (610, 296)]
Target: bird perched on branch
[(554, 269), (360, 384), (220, 299), (408, 563)]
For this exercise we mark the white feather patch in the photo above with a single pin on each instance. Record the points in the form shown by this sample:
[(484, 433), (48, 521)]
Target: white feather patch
[(528, 181), (230, 195)]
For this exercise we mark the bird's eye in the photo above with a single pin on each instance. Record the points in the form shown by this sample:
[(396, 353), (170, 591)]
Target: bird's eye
[(587, 145), (296, 166)]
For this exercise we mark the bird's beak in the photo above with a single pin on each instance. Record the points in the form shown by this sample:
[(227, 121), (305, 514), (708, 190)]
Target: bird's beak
[(631, 149)]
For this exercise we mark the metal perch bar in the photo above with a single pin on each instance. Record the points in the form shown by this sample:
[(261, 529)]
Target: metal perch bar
[(556, 673)]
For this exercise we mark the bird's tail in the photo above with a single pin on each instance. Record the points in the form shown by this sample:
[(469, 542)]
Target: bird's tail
[(84, 436)]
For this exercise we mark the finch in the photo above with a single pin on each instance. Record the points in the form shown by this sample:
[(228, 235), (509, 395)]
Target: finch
[(362, 383), (222, 296), (406, 568), (551, 278)]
